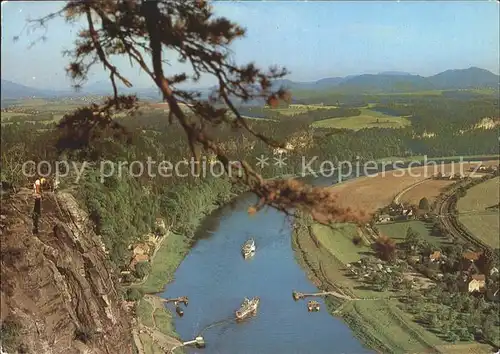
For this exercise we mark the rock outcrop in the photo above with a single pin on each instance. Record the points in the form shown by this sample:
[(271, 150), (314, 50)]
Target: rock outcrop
[(58, 291)]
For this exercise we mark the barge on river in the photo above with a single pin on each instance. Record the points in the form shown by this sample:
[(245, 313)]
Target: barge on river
[(248, 248), (248, 308)]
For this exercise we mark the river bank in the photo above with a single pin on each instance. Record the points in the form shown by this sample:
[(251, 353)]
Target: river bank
[(386, 320), (380, 319), (154, 318), (324, 253)]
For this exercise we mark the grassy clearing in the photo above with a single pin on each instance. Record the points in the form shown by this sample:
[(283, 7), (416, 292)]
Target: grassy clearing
[(485, 227), (144, 311), (469, 348), (300, 108), (482, 91), (30, 102), (166, 261), (367, 119), (8, 115), (149, 346), (41, 105), (381, 324), (397, 231), (481, 196), (484, 224), (164, 321), (338, 241), (413, 93)]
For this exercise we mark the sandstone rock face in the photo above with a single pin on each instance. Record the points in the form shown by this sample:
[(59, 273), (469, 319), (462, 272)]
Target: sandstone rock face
[(57, 291)]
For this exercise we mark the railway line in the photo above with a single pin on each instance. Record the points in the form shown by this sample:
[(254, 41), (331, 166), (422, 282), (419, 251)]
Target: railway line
[(447, 215)]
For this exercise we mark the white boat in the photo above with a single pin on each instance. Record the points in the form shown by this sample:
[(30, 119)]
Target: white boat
[(313, 306), (248, 248), (247, 308)]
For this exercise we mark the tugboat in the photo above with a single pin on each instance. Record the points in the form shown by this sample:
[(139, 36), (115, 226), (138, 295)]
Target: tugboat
[(247, 308), (248, 248), (313, 306)]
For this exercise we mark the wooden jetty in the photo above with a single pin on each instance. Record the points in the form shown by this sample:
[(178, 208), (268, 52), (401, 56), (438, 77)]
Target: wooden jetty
[(298, 295), (182, 299), (199, 342)]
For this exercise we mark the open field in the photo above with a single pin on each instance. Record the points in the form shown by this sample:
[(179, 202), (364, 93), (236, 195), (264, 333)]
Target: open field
[(41, 105), (481, 91), (148, 345), (144, 311), (305, 94), (371, 193), (299, 108), (485, 227), (469, 348), (367, 119), (482, 223), (445, 158), (481, 196), (8, 115), (413, 93), (429, 189), (397, 231), (382, 322), (338, 241)]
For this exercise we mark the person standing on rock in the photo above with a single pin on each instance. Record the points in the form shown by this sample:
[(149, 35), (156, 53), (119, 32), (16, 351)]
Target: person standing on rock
[(37, 209)]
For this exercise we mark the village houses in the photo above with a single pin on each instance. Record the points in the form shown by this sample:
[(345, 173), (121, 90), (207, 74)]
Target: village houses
[(477, 283), (435, 256)]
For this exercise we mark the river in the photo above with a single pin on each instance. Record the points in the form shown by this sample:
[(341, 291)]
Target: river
[(216, 278)]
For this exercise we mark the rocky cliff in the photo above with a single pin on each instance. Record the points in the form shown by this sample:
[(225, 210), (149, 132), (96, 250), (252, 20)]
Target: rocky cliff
[(57, 291)]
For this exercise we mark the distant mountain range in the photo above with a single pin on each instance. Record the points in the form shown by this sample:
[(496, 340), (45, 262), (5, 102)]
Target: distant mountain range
[(12, 90), (394, 81), (388, 81)]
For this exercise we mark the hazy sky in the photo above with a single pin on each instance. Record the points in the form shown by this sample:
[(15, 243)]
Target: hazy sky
[(313, 39)]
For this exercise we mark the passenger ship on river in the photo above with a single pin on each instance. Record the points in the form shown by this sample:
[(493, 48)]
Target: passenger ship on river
[(248, 248), (247, 308)]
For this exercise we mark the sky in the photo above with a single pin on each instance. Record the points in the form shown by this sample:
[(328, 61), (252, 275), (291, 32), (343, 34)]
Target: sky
[(312, 39)]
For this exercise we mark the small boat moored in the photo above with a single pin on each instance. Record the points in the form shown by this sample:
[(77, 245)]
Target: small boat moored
[(247, 308), (313, 306), (248, 248)]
